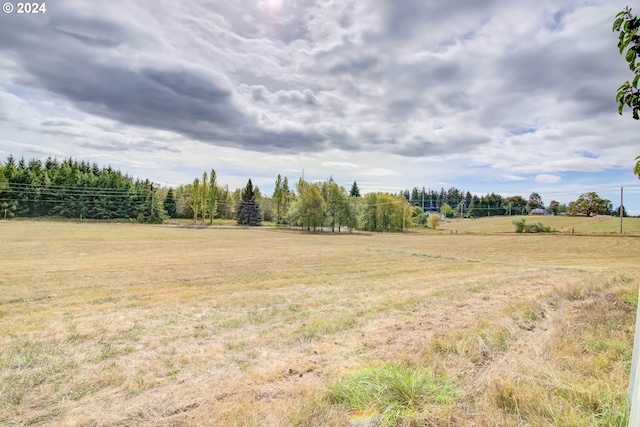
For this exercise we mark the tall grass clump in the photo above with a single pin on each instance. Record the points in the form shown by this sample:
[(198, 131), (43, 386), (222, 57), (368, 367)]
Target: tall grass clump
[(394, 392)]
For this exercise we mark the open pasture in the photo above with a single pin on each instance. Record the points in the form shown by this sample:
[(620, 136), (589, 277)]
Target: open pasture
[(561, 224), (119, 324)]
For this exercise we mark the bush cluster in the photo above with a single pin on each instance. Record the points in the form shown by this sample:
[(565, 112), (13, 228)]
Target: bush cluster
[(523, 227)]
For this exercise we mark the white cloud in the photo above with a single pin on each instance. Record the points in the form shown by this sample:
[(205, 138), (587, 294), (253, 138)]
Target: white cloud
[(513, 178), (546, 178)]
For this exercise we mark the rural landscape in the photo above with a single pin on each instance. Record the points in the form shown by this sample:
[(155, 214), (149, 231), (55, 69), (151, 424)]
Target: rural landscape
[(292, 213), (117, 324)]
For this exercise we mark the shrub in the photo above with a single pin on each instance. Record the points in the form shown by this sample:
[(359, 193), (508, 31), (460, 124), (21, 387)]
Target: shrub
[(523, 227), (433, 220)]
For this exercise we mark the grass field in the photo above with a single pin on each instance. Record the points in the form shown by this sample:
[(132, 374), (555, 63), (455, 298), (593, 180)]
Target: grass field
[(124, 324), (561, 224)]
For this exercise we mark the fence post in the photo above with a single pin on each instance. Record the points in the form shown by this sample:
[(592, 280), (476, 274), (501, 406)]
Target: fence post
[(634, 378)]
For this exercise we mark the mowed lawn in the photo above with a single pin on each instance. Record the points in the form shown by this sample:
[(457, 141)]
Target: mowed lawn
[(124, 324)]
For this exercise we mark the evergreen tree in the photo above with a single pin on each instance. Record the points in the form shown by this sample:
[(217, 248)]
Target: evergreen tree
[(71, 189), (170, 204), (355, 191), (248, 212), (8, 209), (157, 214), (467, 200), (415, 197), (151, 210)]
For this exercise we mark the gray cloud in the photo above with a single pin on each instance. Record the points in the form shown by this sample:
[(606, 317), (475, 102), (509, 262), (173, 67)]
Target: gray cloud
[(143, 146), (414, 79)]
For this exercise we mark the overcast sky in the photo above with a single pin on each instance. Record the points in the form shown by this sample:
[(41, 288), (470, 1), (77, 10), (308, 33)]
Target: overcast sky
[(484, 95)]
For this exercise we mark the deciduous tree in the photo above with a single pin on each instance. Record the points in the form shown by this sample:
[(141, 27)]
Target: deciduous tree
[(554, 207), (278, 196), (311, 205), (335, 203), (212, 196), (419, 217), (433, 221), (447, 210), (196, 194), (286, 196), (590, 204), (535, 202), (204, 191)]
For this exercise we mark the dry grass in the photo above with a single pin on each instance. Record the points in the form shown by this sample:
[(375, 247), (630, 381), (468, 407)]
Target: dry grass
[(118, 324), (561, 224)]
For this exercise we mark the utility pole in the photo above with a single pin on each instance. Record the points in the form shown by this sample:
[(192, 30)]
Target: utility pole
[(621, 209)]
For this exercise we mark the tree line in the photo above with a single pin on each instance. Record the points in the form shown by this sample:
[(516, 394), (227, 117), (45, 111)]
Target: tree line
[(310, 205), (73, 189)]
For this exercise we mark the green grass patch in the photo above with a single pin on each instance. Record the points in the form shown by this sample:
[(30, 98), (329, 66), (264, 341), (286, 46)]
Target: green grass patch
[(395, 392)]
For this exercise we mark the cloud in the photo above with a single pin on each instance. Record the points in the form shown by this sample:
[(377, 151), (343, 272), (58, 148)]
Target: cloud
[(515, 178), (548, 178), (377, 172), (340, 165), (9, 147), (142, 146)]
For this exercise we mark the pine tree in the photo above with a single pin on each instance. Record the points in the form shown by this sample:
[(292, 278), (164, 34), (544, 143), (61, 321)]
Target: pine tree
[(8, 209), (355, 191), (248, 212), (158, 214), (170, 204), (151, 210)]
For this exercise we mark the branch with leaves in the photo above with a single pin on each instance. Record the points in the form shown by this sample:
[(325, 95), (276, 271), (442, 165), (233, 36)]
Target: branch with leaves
[(628, 94)]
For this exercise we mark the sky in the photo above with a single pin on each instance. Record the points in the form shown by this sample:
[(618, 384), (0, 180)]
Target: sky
[(482, 95)]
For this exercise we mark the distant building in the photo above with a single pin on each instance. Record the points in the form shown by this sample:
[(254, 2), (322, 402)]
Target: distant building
[(538, 211)]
